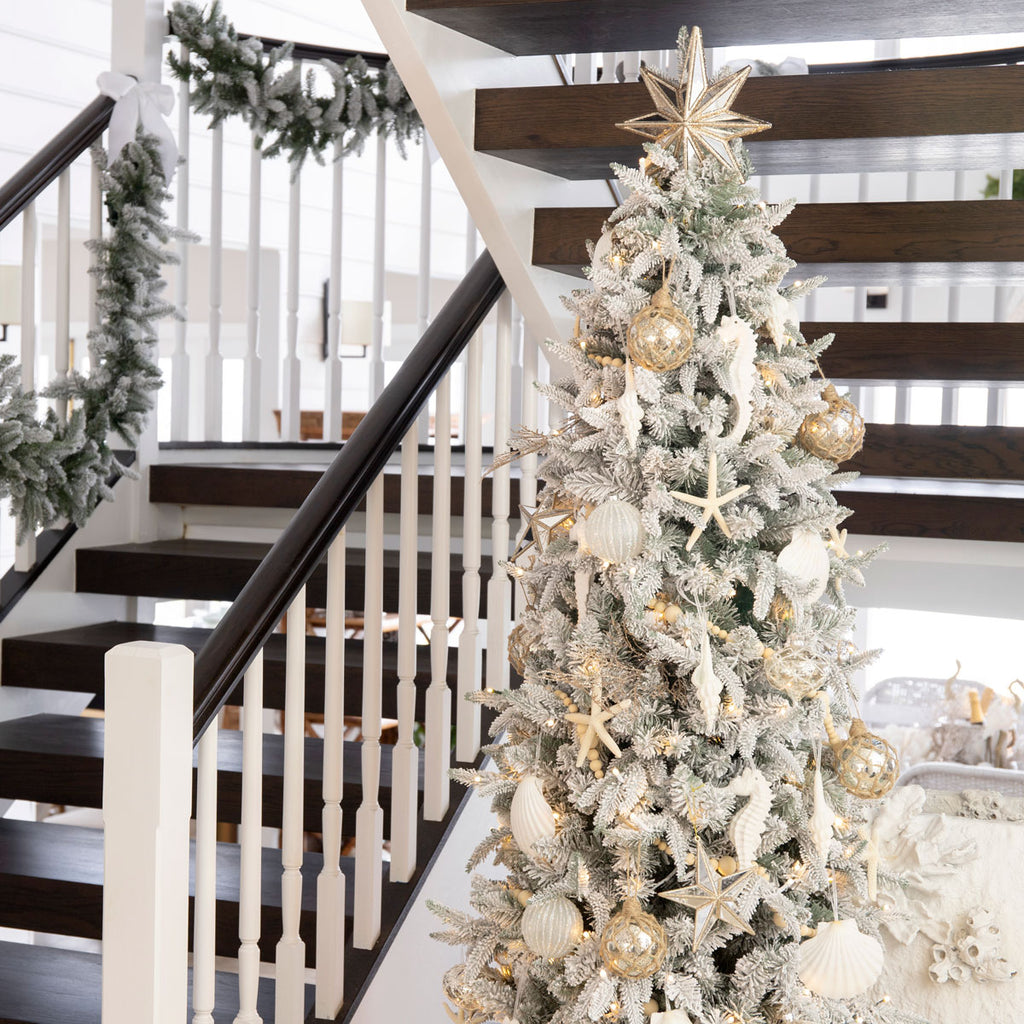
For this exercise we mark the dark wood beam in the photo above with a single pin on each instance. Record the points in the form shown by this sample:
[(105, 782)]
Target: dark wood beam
[(962, 117), (582, 26), (973, 241)]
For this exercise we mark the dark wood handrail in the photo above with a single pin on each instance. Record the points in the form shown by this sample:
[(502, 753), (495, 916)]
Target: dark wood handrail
[(313, 51), (59, 153), (291, 561), (972, 59)]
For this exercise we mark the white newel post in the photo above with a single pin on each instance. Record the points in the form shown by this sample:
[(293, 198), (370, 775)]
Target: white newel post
[(147, 799)]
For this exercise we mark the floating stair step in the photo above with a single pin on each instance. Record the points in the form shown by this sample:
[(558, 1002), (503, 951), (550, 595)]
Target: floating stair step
[(960, 352), (213, 570), (589, 26), (58, 759), (953, 118), (952, 452), (286, 486), (970, 241), (43, 985), (989, 513), (41, 660), (52, 879)]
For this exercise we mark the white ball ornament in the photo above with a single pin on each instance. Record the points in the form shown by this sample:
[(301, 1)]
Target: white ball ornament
[(615, 531), (840, 961), (531, 816), (805, 558), (670, 1017), (552, 927)]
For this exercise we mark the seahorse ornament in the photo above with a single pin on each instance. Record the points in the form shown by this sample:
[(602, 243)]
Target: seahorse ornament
[(747, 825)]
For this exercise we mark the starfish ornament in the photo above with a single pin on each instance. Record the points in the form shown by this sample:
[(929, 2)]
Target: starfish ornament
[(713, 898), (594, 721), (712, 504), (839, 542), (693, 119)]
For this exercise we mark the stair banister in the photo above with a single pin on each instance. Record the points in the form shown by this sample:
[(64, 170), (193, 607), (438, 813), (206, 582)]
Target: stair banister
[(251, 619)]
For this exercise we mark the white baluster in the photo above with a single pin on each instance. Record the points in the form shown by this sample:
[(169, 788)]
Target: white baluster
[(423, 282), (901, 411), (379, 271), (292, 386), (497, 585), (467, 714), (437, 755), (62, 319), (951, 393), (370, 816), (289, 987), (631, 66), (583, 72), (995, 414), (652, 58), (330, 892), (333, 409), (528, 464), (214, 375), (252, 376), (25, 551), (608, 62), (204, 943), (251, 843), (180, 384), (147, 799), (95, 232), (406, 762)]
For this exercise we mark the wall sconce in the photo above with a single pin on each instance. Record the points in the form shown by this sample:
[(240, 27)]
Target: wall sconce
[(10, 297)]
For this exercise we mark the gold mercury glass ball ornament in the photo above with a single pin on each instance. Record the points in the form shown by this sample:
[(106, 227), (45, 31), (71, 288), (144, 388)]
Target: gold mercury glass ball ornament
[(660, 336), (837, 433), (795, 670), (866, 765), (633, 944)]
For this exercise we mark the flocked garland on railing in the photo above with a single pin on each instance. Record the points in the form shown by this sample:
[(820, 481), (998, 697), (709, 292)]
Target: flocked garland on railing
[(53, 470)]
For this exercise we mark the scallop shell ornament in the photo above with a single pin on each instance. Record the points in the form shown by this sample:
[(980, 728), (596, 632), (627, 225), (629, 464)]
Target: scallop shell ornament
[(805, 558), (615, 531), (552, 927), (840, 961), (531, 816)]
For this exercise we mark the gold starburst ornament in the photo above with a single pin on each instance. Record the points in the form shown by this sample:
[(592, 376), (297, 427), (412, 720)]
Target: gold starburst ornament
[(692, 118)]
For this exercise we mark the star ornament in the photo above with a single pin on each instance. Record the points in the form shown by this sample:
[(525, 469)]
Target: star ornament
[(591, 725), (693, 119), (712, 504), (712, 897)]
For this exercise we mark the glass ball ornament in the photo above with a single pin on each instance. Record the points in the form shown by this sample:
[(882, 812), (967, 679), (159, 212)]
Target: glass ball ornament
[(796, 670), (615, 531), (660, 336), (633, 944), (836, 434), (552, 927), (866, 765)]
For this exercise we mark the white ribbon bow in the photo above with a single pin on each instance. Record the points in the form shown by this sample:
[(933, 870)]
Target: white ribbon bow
[(145, 103)]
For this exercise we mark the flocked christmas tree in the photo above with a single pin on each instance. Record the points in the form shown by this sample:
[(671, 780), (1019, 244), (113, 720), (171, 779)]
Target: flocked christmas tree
[(680, 782)]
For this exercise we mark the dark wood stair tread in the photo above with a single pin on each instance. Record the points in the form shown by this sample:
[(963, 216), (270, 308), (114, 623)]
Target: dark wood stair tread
[(59, 759), (968, 241), (917, 351), (282, 485), (44, 985), (591, 26), (871, 121), (40, 661), (215, 570)]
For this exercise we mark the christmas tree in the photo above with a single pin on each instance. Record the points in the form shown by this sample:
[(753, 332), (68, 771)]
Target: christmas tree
[(681, 783)]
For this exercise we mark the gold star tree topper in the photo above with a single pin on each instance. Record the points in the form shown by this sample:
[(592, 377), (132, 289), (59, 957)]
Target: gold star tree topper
[(712, 897), (693, 119)]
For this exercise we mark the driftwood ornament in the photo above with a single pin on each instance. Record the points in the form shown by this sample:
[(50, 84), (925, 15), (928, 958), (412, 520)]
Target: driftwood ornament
[(836, 434), (633, 943)]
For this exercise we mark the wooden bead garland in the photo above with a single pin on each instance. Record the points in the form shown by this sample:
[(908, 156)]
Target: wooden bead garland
[(837, 433)]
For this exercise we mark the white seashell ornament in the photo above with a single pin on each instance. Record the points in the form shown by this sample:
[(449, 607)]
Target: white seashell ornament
[(531, 816), (615, 531), (741, 370), (552, 927), (823, 817), (840, 961), (805, 558), (707, 684), (630, 412), (670, 1017)]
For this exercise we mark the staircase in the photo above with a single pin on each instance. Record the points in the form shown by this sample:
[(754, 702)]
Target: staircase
[(946, 481)]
